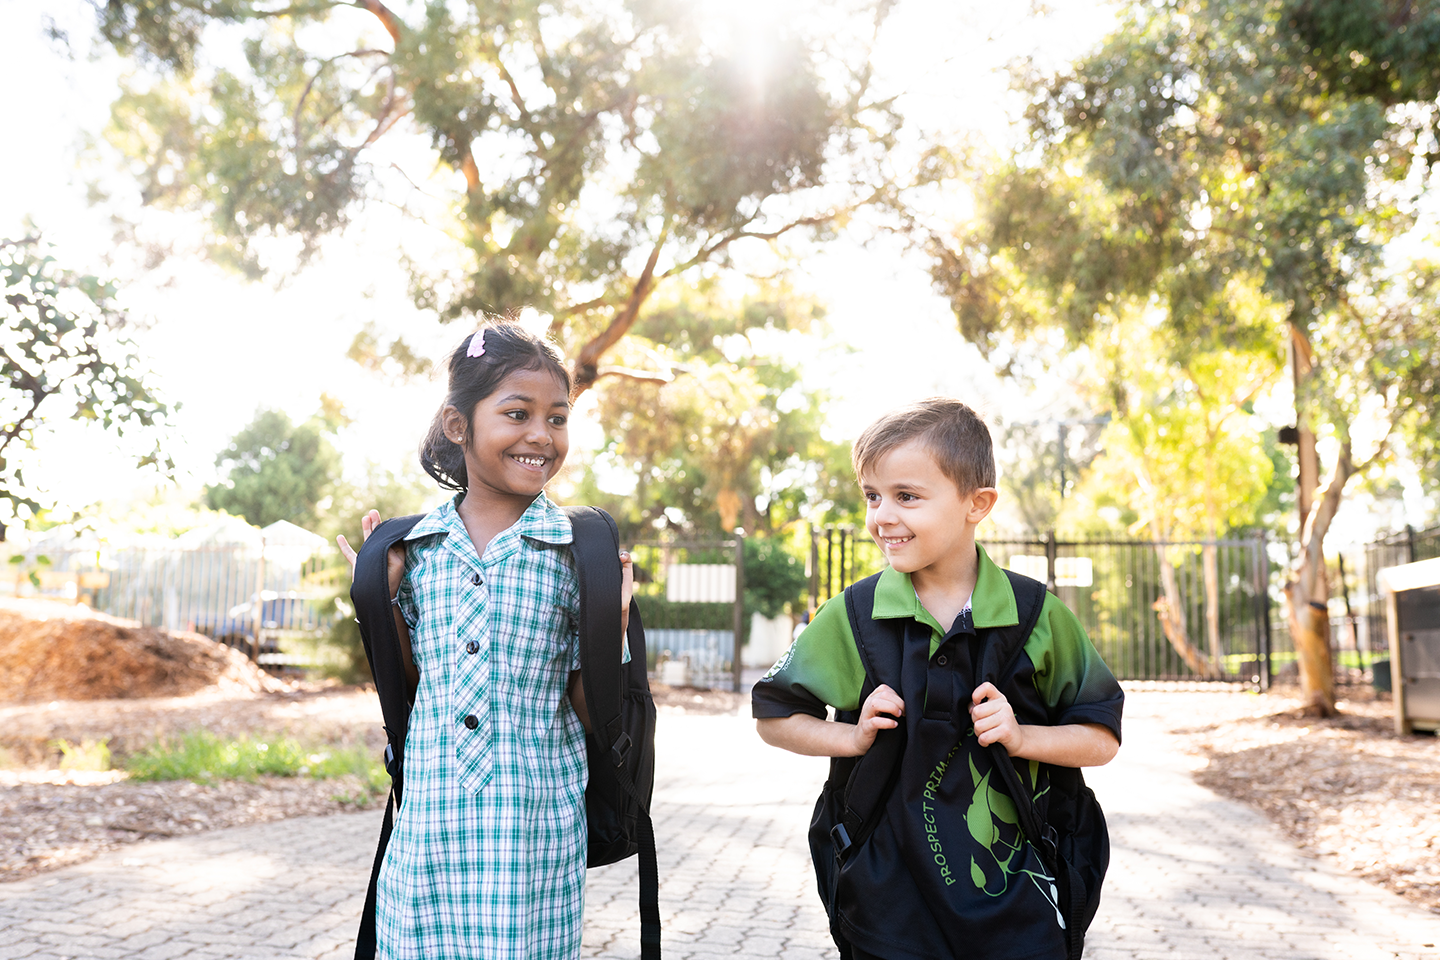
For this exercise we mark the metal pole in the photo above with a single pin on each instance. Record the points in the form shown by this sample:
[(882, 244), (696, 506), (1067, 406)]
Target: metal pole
[(1050, 561), (813, 561), (259, 609), (1262, 591), (830, 560), (739, 609), (1410, 543)]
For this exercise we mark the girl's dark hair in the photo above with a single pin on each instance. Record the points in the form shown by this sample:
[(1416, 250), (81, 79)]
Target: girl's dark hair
[(508, 347)]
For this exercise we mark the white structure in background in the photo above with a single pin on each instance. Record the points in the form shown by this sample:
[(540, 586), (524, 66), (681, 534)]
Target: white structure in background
[(769, 639), (290, 546), (1069, 571), (700, 583)]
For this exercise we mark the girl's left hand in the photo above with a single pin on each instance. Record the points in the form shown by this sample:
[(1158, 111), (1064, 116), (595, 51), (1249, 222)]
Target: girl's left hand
[(627, 589), (368, 523), (994, 719)]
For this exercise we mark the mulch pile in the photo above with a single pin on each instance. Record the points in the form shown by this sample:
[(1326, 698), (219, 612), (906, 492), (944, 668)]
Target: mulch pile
[(55, 651), (1348, 787)]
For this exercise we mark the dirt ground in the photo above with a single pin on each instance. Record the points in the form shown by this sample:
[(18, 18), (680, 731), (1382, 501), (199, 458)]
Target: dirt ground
[(1347, 788)]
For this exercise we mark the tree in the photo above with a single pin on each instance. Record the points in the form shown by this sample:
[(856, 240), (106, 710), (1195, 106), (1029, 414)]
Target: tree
[(63, 344), (1185, 454), (1211, 145), (599, 151), (733, 440), (276, 470)]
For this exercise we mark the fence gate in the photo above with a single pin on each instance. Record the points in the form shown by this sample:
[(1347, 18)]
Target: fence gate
[(692, 595)]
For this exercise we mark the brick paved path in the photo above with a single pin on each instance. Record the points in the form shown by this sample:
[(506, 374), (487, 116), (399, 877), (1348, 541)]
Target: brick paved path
[(1193, 876)]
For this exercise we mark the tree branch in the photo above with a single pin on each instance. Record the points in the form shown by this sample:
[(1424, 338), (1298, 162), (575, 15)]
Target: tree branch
[(388, 19), (586, 364), (642, 376)]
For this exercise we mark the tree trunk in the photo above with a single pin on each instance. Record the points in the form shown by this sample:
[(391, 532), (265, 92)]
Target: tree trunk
[(1172, 618), (1307, 615)]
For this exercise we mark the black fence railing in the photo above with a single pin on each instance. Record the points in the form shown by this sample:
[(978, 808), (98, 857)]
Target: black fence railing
[(1173, 610), (1358, 633)]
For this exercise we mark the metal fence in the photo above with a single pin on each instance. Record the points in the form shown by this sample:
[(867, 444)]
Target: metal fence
[(1172, 610), (691, 594), (228, 593), (1358, 636)]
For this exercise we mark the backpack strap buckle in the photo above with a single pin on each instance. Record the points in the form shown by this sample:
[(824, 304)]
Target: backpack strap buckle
[(620, 749), (1050, 840), (390, 761), (841, 838)]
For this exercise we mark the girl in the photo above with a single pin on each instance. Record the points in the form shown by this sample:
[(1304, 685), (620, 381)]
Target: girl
[(487, 859)]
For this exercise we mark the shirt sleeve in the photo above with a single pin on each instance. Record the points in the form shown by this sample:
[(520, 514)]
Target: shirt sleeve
[(821, 667), (1073, 680)]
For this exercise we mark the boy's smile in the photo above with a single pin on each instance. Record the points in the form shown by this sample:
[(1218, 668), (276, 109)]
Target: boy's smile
[(918, 516)]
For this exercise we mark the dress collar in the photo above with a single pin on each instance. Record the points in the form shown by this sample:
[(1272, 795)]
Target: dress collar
[(542, 521)]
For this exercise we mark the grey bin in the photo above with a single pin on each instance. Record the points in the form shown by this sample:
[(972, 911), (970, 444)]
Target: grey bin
[(1412, 593)]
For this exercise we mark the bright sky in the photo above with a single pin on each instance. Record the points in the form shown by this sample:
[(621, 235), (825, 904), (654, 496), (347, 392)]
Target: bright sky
[(223, 347)]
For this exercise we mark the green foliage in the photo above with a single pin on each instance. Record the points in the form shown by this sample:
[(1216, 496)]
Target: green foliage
[(1370, 48), (734, 439), (63, 352), (603, 149), (1200, 167), (276, 470), (204, 757), (90, 755), (774, 578)]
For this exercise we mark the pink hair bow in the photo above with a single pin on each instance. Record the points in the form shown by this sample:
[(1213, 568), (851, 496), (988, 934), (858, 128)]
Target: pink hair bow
[(477, 345)]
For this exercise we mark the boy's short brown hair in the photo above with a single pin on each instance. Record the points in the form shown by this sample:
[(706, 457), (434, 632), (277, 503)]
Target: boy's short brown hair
[(955, 434)]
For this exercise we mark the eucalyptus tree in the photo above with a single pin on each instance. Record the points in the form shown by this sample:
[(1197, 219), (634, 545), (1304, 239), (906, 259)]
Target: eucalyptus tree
[(598, 149), (1210, 151), (735, 439)]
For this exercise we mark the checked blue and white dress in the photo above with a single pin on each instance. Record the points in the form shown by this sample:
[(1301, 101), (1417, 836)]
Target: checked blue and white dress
[(487, 861)]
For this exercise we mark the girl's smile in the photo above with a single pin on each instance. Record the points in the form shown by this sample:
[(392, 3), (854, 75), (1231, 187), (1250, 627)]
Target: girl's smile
[(516, 438)]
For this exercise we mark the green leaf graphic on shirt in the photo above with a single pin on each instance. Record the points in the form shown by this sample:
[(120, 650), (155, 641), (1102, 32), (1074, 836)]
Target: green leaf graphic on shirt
[(988, 809)]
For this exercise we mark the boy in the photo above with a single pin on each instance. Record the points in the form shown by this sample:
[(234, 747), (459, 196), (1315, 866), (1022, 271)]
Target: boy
[(945, 872)]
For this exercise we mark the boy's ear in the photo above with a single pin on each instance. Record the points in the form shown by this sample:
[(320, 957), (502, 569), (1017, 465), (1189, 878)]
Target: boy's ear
[(981, 502)]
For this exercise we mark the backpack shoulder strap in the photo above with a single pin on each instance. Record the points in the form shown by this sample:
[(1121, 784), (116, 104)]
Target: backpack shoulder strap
[(1004, 646), (1006, 643), (370, 594), (881, 654), (597, 570), (596, 550)]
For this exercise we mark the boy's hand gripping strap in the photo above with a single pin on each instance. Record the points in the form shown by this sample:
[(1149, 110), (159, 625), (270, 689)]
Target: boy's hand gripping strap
[(1041, 834)]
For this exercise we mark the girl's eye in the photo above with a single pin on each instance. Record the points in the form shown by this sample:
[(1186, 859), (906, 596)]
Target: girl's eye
[(517, 415), (872, 497), (557, 420), (905, 497)]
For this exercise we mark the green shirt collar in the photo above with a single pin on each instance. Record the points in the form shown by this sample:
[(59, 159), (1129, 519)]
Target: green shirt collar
[(992, 604)]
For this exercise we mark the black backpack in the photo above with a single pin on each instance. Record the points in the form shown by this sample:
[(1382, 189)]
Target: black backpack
[(620, 745), (1074, 844)]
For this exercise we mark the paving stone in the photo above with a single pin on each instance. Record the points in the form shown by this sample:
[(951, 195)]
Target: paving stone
[(1192, 877)]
